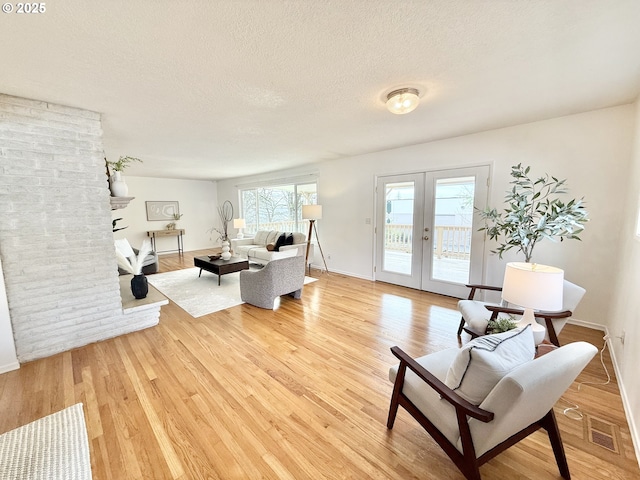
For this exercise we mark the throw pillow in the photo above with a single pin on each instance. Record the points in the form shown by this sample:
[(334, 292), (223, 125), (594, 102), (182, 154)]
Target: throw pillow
[(280, 242), (289, 240), (270, 247), (481, 363)]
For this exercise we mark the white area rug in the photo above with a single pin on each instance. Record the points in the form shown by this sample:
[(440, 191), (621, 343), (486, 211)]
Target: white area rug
[(201, 296), (52, 448)]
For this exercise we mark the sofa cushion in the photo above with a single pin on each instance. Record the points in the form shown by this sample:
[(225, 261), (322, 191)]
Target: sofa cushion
[(261, 238), (266, 256), (481, 363), (243, 249), (272, 237), (299, 238)]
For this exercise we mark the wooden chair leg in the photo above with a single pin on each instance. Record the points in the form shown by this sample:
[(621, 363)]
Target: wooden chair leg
[(553, 338), (395, 396), (550, 424), (461, 326), (468, 465)]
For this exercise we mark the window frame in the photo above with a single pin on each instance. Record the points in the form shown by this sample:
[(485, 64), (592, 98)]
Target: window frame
[(299, 225)]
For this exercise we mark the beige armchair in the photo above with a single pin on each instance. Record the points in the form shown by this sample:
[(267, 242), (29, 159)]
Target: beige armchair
[(278, 277), (520, 403)]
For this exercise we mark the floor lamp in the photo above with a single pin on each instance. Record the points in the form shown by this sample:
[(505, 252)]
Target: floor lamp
[(313, 213)]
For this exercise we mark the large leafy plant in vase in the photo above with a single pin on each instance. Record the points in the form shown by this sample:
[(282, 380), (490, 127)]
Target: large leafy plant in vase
[(534, 211)]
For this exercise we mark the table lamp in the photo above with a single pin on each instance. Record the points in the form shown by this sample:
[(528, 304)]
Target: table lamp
[(239, 223), (532, 286)]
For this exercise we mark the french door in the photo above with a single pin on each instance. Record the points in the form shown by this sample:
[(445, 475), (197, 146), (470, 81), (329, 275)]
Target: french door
[(427, 230)]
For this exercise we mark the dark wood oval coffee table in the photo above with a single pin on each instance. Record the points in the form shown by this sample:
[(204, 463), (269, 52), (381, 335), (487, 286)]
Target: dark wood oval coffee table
[(221, 267)]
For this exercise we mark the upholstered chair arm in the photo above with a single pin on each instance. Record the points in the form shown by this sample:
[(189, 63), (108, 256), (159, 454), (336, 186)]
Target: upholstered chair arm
[(496, 309), (546, 316), (475, 287), (462, 406)]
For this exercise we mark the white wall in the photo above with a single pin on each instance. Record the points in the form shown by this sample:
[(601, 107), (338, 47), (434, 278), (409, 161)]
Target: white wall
[(592, 150), (198, 204), (625, 315)]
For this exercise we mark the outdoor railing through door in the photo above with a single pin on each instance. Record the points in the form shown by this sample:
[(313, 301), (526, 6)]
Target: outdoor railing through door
[(449, 241)]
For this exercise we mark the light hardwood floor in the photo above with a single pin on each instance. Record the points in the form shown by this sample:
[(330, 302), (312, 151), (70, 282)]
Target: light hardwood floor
[(300, 392)]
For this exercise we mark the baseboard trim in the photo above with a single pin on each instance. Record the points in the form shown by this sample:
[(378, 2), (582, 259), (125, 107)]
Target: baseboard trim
[(9, 367), (626, 404), (341, 272), (582, 323)]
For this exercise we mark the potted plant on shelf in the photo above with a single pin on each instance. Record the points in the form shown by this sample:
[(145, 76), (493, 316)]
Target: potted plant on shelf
[(176, 217), (533, 212), (133, 265), (116, 183)]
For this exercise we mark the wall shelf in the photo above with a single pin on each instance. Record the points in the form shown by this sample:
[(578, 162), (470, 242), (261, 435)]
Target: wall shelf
[(120, 202)]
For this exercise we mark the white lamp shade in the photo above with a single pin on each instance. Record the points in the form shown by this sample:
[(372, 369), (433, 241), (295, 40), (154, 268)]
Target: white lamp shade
[(312, 212), (402, 101), (534, 286), (239, 223)]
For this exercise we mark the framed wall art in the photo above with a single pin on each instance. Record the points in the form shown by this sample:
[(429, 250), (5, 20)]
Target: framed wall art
[(162, 211)]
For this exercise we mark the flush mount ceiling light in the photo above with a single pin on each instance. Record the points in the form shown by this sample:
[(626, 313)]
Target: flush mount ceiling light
[(403, 100)]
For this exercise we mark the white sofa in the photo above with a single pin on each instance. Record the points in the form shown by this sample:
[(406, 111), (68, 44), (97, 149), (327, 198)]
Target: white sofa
[(255, 249)]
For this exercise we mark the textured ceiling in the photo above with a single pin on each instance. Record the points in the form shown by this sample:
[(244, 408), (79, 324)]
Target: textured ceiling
[(219, 89)]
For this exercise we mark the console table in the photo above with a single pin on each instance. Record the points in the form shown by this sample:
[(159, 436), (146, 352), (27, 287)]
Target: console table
[(177, 232)]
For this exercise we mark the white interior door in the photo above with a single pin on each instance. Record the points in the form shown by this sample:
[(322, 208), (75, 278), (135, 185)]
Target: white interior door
[(427, 229), (398, 229), (453, 249)]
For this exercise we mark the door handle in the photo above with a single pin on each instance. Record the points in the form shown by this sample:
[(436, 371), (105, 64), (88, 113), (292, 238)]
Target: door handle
[(425, 237)]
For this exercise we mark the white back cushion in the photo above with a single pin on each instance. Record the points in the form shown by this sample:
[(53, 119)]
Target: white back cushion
[(261, 237), (272, 237), (571, 295), (299, 238)]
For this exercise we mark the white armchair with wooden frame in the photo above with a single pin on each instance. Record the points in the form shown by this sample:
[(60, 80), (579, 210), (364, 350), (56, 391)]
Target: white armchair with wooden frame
[(472, 420), (476, 314)]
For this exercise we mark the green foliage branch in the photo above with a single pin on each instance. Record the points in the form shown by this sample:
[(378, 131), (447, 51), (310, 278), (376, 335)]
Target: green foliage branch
[(502, 324), (533, 212), (122, 163)]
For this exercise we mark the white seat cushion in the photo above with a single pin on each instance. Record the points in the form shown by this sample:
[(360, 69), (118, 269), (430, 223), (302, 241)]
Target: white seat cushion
[(426, 398), (476, 315), (481, 363)]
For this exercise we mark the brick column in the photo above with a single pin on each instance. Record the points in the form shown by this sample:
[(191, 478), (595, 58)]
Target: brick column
[(56, 241)]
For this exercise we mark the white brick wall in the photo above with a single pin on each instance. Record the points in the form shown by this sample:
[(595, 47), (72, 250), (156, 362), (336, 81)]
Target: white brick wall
[(56, 242)]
